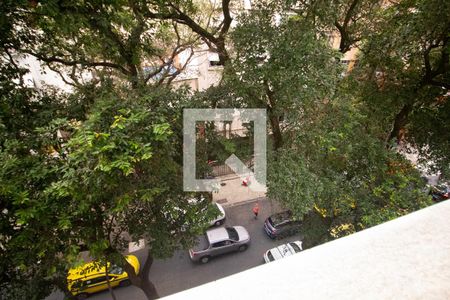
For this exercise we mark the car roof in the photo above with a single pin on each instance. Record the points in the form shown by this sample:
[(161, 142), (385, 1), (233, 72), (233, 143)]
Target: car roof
[(217, 235), (282, 217), (91, 269), (86, 270), (284, 250)]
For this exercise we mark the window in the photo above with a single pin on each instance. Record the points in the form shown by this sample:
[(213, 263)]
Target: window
[(295, 247), (213, 58), (232, 233), (116, 270), (221, 244), (96, 280), (281, 218), (285, 223)]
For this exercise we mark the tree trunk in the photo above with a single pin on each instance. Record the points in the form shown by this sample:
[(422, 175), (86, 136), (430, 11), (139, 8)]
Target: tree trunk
[(142, 280), (222, 51), (276, 131), (400, 121), (273, 117), (108, 283), (61, 283)]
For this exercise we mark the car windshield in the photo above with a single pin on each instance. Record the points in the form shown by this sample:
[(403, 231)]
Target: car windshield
[(295, 247), (232, 233), (280, 218), (270, 256), (116, 270)]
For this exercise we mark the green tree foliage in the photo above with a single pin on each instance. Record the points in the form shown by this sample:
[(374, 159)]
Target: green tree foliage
[(111, 178), (123, 178), (138, 41), (30, 238), (332, 168), (281, 69), (404, 81), (351, 20), (121, 36), (28, 265), (95, 169)]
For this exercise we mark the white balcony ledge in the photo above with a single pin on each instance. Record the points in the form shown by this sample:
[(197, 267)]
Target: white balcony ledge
[(407, 258)]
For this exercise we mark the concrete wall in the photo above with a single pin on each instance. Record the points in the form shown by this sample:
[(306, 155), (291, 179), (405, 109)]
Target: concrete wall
[(39, 75)]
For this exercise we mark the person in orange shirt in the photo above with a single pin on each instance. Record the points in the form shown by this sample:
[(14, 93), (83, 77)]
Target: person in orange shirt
[(256, 210)]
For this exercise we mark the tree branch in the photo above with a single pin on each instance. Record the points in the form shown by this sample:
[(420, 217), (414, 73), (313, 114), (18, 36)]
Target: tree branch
[(346, 42), (53, 59), (63, 78), (11, 59), (442, 65), (349, 13), (186, 20), (429, 78), (180, 17), (179, 70), (125, 52), (226, 18)]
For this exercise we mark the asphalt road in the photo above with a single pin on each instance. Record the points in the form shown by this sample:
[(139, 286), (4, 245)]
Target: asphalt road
[(178, 273)]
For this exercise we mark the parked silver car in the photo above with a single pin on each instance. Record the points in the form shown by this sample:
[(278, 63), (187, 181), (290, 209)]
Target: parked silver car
[(220, 241), (282, 251)]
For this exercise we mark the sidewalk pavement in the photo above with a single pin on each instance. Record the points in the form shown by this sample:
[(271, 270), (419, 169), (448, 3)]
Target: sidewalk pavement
[(232, 192)]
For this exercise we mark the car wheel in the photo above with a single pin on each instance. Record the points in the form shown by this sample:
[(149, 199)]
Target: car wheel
[(125, 282), (82, 296), (242, 248), (205, 259), (218, 223)]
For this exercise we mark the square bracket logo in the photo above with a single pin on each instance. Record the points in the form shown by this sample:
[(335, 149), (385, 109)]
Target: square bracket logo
[(257, 178)]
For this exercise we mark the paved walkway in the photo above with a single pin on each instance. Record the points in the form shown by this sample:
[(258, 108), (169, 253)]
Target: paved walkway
[(232, 192)]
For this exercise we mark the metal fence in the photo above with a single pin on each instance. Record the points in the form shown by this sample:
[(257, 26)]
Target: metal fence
[(222, 170)]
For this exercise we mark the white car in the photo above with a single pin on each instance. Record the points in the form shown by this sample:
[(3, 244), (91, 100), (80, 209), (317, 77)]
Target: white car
[(282, 251), (220, 218)]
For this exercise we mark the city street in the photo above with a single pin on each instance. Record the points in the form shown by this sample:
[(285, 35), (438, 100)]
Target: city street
[(179, 273)]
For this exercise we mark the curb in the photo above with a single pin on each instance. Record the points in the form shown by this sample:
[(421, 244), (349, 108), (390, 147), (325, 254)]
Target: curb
[(228, 178)]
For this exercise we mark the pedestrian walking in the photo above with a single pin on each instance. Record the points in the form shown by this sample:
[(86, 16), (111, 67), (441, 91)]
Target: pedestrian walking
[(256, 210), (246, 181)]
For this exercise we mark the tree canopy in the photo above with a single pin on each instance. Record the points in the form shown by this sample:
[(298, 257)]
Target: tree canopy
[(334, 162), (96, 168)]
